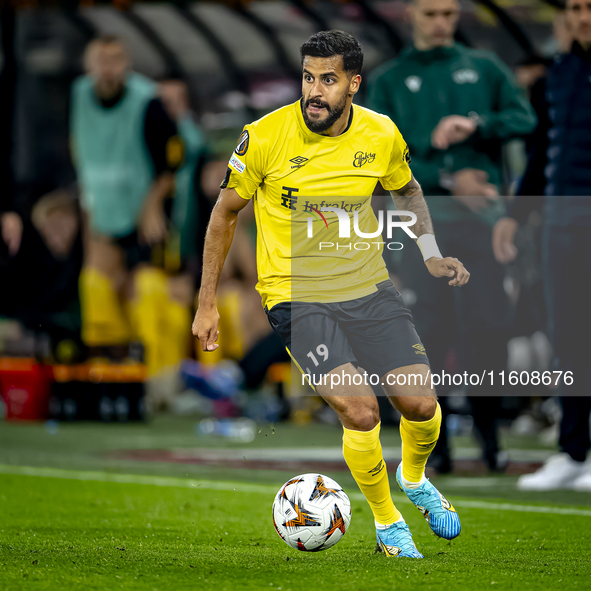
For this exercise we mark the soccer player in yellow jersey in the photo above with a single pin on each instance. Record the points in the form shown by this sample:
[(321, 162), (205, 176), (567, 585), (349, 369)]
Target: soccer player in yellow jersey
[(310, 169)]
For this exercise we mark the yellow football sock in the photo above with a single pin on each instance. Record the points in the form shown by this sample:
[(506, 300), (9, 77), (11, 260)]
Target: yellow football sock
[(418, 440), (103, 319), (363, 454)]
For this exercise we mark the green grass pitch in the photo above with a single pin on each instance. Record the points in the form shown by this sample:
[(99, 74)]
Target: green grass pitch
[(71, 529)]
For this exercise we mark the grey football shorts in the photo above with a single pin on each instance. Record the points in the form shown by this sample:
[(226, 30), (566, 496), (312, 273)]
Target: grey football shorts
[(375, 332)]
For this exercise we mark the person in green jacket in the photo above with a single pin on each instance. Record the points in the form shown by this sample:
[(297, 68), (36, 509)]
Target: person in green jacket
[(455, 106)]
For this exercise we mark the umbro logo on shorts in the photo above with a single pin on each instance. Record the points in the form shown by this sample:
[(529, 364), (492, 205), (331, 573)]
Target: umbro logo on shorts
[(420, 350)]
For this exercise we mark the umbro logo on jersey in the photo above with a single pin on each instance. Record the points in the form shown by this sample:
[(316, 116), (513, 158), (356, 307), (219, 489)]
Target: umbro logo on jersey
[(298, 161), (362, 158)]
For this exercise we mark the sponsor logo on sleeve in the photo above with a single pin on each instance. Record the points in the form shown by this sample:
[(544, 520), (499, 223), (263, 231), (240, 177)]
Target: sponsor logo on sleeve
[(237, 164)]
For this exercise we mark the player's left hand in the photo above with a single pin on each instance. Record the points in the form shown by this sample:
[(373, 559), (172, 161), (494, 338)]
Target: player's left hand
[(448, 267)]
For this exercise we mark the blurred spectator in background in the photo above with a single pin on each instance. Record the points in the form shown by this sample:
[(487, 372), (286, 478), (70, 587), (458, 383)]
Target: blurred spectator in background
[(241, 317), (184, 245), (191, 208), (566, 248), (11, 226), (455, 107), (562, 33), (530, 70), (126, 150), (533, 77), (535, 67), (530, 308), (40, 282)]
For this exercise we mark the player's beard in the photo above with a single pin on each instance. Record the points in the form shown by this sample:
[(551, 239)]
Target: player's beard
[(333, 114)]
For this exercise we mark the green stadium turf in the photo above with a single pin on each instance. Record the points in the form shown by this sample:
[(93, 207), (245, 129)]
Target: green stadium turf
[(76, 519)]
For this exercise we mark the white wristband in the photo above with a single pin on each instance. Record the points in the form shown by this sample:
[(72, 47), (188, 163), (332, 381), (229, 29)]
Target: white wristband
[(428, 246)]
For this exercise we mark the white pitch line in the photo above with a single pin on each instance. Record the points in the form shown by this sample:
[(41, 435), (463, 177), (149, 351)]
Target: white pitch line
[(166, 481), (480, 482), (523, 508), (242, 487)]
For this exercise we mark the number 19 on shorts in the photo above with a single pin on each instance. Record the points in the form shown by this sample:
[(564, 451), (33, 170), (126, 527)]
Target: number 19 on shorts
[(321, 351)]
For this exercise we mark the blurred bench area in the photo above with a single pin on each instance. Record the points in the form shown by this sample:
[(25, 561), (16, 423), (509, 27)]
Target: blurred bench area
[(96, 299)]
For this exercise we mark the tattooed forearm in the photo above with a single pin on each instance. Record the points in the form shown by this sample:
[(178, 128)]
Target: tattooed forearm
[(410, 198)]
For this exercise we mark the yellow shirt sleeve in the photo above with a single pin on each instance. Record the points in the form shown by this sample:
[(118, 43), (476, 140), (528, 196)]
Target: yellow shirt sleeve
[(398, 173), (246, 168)]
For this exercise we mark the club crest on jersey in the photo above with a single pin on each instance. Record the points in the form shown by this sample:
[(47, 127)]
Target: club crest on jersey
[(414, 83), (242, 146), (465, 76), (362, 158)]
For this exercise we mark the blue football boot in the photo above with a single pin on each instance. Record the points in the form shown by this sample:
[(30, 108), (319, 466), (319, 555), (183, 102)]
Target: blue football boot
[(397, 541), (436, 509)]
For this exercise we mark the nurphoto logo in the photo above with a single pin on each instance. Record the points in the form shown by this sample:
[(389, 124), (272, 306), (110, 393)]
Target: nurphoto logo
[(344, 221)]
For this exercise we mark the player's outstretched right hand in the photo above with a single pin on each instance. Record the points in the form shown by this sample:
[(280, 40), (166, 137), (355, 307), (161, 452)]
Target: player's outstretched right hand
[(205, 327), (448, 267)]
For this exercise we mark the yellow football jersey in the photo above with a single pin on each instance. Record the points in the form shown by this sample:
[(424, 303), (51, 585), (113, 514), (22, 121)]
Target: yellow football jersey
[(293, 173)]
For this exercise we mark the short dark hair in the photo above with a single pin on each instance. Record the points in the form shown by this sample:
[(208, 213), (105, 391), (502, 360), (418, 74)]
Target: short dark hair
[(335, 42)]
